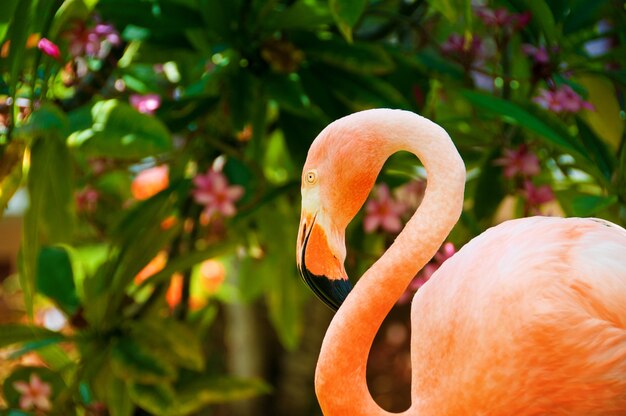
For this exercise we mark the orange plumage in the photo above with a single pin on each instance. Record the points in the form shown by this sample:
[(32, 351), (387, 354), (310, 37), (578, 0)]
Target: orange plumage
[(528, 318)]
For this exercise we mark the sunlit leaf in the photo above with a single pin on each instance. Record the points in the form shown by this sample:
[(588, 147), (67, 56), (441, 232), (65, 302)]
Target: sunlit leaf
[(346, 14), (450, 8), (605, 120), (113, 128), (204, 390), (158, 399), (11, 171), (7, 8), (515, 114)]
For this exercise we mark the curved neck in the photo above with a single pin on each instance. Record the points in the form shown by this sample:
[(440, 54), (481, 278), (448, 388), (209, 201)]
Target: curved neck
[(340, 379)]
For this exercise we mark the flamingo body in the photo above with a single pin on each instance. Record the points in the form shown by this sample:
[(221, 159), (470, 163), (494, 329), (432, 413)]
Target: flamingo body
[(529, 318)]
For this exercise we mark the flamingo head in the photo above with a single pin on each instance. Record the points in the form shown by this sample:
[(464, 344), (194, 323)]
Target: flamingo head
[(339, 173)]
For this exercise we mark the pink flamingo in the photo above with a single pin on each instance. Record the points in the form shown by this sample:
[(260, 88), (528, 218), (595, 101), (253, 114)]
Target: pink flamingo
[(528, 318)]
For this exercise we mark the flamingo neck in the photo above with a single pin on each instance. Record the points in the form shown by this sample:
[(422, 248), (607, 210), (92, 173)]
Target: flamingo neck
[(340, 379)]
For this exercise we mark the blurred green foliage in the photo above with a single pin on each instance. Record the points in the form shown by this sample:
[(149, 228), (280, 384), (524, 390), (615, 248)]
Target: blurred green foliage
[(246, 85)]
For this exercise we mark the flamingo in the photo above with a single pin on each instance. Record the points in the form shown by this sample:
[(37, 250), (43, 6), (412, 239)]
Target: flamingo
[(528, 318)]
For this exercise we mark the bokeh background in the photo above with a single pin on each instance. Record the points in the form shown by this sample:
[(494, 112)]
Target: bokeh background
[(150, 162)]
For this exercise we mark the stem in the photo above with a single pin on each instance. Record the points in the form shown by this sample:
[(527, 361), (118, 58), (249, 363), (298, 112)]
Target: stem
[(183, 308)]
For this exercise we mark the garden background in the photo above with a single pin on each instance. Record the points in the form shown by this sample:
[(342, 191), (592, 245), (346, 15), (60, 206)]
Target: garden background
[(150, 162)]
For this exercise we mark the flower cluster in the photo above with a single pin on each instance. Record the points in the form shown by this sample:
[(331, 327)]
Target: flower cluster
[(87, 199), (92, 42), (383, 212), (523, 164), (214, 192), (502, 18), (520, 161), (562, 100)]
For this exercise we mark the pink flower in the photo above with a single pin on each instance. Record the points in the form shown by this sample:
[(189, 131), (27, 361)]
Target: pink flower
[(87, 199), (146, 104), (383, 212), (456, 45), (49, 48), (519, 162), (150, 182), (35, 395), (410, 195), (88, 41), (502, 18), (562, 100), (446, 251), (214, 192), (536, 196), (539, 54)]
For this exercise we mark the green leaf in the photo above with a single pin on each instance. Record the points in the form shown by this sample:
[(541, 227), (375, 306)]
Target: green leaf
[(303, 14), (132, 361), (360, 92), (167, 21), (597, 150), (285, 292), (7, 8), (587, 205), (55, 278), (582, 14), (11, 171), (50, 186), (113, 391), (517, 115), (115, 129), (241, 93), (346, 14), (450, 8), (605, 120), (363, 58), (18, 34), (490, 189), (220, 17), (200, 391), (18, 334), (157, 399), (55, 357), (46, 121), (542, 20), (178, 343), (288, 92), (69, 10), (192, 395)]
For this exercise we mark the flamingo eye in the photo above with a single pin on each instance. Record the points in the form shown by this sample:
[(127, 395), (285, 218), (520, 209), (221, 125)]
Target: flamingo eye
[(311, 177)]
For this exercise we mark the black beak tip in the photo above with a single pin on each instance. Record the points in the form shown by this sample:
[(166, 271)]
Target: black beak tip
[(330, 291)]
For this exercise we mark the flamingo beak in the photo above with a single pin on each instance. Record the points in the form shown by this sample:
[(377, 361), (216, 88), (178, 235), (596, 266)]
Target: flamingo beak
[(321, 270)]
